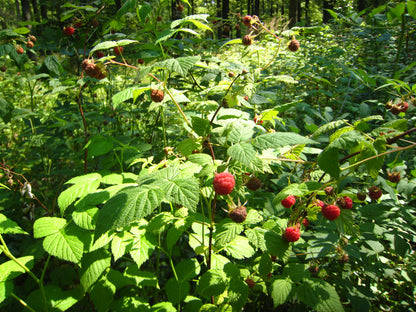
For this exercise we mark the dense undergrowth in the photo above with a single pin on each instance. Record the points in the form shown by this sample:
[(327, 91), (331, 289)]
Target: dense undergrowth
[(107, 199)]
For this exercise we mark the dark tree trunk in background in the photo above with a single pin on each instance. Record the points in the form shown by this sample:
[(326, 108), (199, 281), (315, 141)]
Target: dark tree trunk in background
[(249, 12), (282, 9), (256, 7), (225, 12), (26, 15), (328, 4), (118, 4), (293, 9), (43, 9), (307, 17), (35, 9), (299, 13)]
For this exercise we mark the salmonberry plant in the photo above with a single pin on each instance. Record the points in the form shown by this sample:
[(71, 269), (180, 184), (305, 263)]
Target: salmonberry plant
[(148, 167)]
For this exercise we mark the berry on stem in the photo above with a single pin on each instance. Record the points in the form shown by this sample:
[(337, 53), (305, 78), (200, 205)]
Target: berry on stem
[(247, 40), (288, 201), (292, 234), (330, 212), (305, 222), (293, 45), (118, 50), (374, 192), (344, 202), (239, 214), (20, 50), (247, 20), (223, 183), (157, 95), (69, 30), (253, 184)]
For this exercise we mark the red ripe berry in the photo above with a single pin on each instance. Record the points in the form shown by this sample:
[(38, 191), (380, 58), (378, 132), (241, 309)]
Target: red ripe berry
[(395, 110), (247, 40), (246, 98), (292, 234), (140, 61), (344, 202), (288, 201), (99, 54), (179, 7), (331, 212), (223, 183), (403, 106), (118, 50), (394, 176), (374, 192), (305, 222), (20, 50), (29, 44), (319, 203), (246, 20), (159, 18), (69, 31)]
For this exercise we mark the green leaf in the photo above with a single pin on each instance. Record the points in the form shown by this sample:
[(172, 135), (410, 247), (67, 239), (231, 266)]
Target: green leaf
[(175, 232), (22, 30), (111, 44), (237, 293), (296, 271), (127, 94), (243, 152), (143, 248), (99, 145), (133, 203), (279, 139), (47, 226), (201, 126), (10, 269), (6, 288), (180, 65), (83, 185), (121, 242), (319, 295), (65, 244), (187, 269), (280, 290), (329, 127), (226, 231), (182, 191), (277, 246), (86, 219), (163, 307), (411, 8), (57, 299), (265, 265), (8, 226), (328, 161), (176, 291), (53, 65), (212, 283), (239, 248), (256, 237), (93, 264), (190, 18), (102, 294)]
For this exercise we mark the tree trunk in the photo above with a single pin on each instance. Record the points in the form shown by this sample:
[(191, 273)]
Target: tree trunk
[(328, 4), (307, 18), (282, 8), (225, 12), (26, 15), (43, 9), (248, 7), (17, 4), (299, 13), (293, 9), (256, 7), (118, 4)]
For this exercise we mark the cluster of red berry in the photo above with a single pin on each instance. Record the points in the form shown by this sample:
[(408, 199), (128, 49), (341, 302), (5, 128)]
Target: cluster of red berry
[(400, 107)]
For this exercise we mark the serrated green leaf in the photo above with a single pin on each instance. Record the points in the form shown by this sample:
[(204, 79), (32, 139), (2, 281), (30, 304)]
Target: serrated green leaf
[(212, 283), (176, 291), (64, 245), (126, 94), (239, 248), (190, 18), (86, 219), (165, 35), (143, 248), (187, 269), (240, 131), (237, 293), (226, 231), (182, 191), (127, 205), (102, 294), (296, 271), (99, 145), (329, 127), (10, 269), (47, 226), (201, 126), (93, 264), (180, 65), (8, 226), (243, 152), (319, 295), (277, 246), (411, 8), (175, 232), (201, 159), (256, 237), (111, 44), (280, 290), (328, 161), (83, 185), (265, 265), (279, 139), (57, 299)]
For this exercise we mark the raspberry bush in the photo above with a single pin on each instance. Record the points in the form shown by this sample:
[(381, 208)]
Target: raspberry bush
[(147, 163)]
